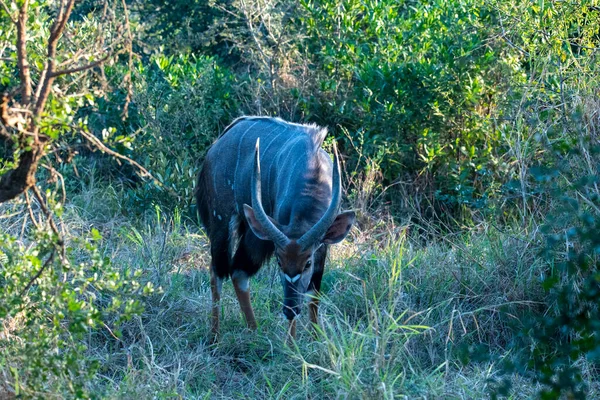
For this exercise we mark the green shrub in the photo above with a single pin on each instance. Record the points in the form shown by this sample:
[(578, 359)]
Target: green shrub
[(179, 106), (559, 344), (420, 81), (184, 103), (49, 303)]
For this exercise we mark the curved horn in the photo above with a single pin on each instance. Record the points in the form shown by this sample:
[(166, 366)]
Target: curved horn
[(278, 237), (320, 228)]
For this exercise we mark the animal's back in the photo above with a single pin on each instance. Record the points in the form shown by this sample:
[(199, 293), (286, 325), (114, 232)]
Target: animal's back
[(224, 181)]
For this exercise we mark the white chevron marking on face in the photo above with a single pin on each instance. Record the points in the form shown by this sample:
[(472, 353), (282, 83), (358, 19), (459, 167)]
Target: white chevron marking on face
[(292, 280)]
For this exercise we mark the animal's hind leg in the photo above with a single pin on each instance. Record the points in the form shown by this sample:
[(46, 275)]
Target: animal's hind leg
[(315, 285), (241, 284), (215, 287), (218, 269)]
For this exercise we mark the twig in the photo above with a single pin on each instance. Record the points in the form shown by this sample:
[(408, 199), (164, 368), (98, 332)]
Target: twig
[(111, 332), (14, 21), (102, 147), (127, 79), (62, 181), (588, 202), (39, 273), (28, 201), (80, 68), (47, 213)]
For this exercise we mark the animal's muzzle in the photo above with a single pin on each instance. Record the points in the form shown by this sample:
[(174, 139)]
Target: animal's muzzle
[(293, 295)]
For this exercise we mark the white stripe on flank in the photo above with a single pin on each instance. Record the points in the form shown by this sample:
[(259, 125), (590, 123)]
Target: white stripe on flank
[(291, 173), (237, 162), (275, 138), (289, 143)]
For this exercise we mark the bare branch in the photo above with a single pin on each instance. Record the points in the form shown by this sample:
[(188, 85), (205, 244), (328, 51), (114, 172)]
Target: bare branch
[(55, 34), (143, 172), (80, 68), (39, 273), (28, 201), (127, 80), (47, 213), (22, 53), (54, 172), (102, 147)]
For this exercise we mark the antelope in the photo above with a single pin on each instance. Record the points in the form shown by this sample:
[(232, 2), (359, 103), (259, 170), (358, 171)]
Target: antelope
[(290, 211)]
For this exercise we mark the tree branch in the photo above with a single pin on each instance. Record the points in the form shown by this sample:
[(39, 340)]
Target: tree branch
[(22, 53), (47, 213), (33, 220), (102, 147), (143, 172), (55, 33), (127, 79), (38, 274), (80, 68)]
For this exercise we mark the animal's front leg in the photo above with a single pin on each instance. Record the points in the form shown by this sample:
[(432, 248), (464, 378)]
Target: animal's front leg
[(315, 285), (241, 285), (313, 310)]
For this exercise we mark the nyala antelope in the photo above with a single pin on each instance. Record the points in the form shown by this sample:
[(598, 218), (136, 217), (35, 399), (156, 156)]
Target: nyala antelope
[(294, 190)]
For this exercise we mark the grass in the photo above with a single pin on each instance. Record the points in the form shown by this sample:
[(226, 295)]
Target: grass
[(394, 314), (396, 311)]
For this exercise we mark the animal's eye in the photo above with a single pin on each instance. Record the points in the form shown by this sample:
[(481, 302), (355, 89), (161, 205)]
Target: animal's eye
[(308, 264)]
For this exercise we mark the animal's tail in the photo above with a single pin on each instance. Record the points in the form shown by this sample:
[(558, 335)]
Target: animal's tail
[(202, 194)]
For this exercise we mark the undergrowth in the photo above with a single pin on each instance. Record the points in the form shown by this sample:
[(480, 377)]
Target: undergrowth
[(398, 310)]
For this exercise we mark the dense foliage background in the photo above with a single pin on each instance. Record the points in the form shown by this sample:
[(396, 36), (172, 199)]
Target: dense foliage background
[(470, 137)]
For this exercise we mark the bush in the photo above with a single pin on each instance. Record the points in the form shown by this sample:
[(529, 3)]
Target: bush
[(184, 103), (49, 303), (420, 82), (179, 106)]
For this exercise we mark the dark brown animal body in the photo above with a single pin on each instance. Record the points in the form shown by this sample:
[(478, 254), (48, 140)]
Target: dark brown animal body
[(294, 212)]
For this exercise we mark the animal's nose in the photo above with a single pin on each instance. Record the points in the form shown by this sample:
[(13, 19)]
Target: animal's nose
[(291, 312)]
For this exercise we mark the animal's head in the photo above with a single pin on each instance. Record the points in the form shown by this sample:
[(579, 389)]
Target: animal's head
[(296, 256)]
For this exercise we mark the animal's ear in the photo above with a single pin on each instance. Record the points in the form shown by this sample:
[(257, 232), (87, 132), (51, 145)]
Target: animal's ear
[(340, 228), (256, 227)]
